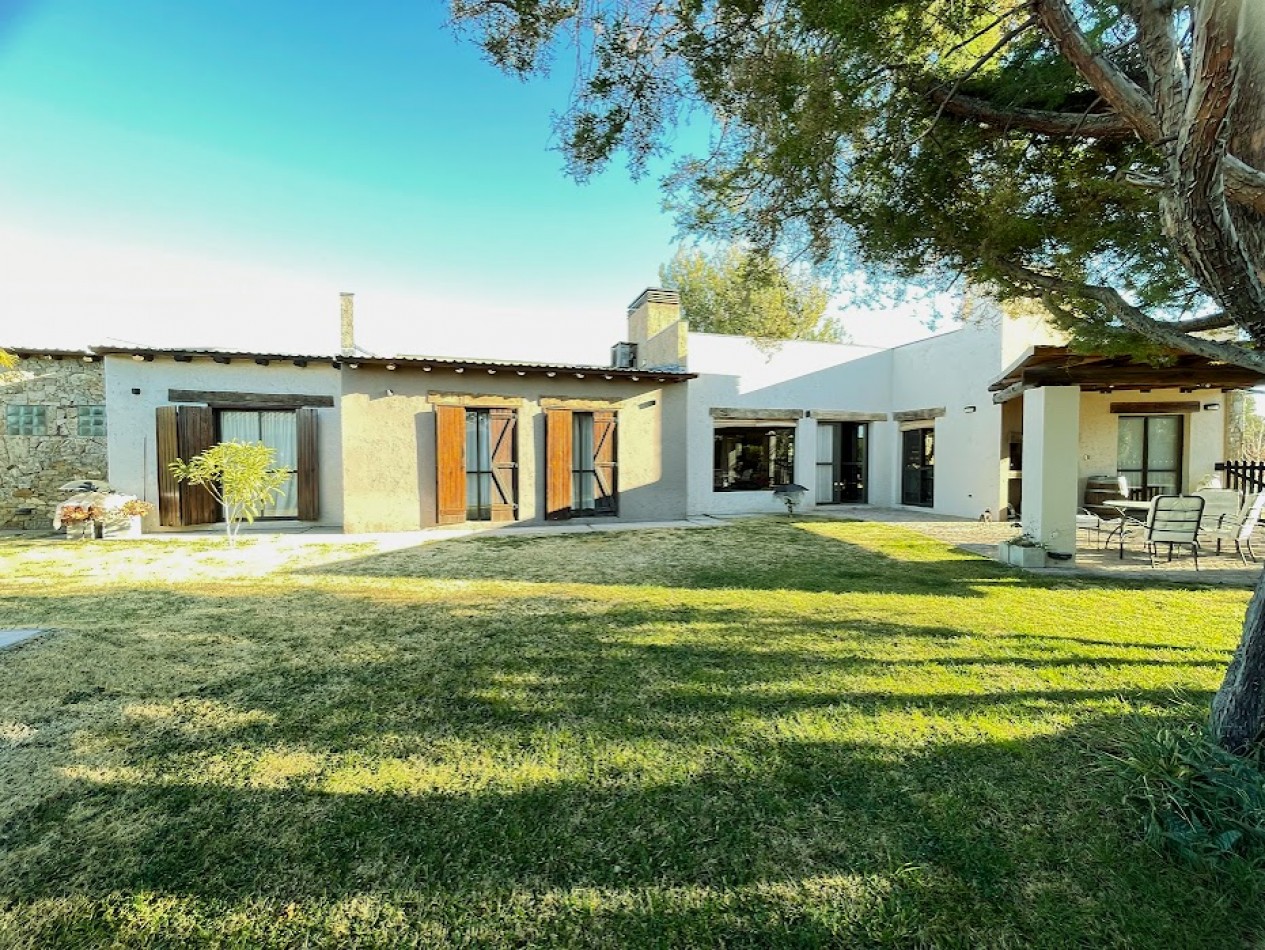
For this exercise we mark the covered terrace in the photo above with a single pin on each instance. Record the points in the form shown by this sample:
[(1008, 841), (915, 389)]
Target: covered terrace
[(1070, 417)]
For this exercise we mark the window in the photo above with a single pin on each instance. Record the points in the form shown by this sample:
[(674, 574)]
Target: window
[(841, 475), (753, 458), (478, 465), (589, 496), (277, 429), (918, 467), (92, 421), (25, 420), (1149, 454)]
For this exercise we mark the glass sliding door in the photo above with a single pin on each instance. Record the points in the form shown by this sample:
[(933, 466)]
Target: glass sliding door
[(478, 465), (277, 429), (841, 462), (1149, 454), (918, 467)]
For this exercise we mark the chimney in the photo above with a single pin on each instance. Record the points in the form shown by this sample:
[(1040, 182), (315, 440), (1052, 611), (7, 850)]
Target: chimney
[(657, 331), (348, 314)]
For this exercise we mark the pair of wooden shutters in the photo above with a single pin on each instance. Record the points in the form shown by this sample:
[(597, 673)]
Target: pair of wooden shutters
[(451, 499), (186, 431), (561, 463)]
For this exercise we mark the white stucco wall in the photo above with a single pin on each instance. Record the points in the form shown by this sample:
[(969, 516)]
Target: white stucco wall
[(1203, 435), (131, 417), (736, 374), (950, 372)]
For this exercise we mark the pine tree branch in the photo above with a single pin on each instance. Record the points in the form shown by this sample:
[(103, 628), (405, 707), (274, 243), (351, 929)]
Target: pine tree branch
[(1134, 318), (1097, 125)]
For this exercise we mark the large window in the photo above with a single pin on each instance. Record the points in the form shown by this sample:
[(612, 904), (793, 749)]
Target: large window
[(478, 465), (25, 420), (1149, 454), (841, 462), (277, 429), (753, 458), (918, 467), (589, 494)]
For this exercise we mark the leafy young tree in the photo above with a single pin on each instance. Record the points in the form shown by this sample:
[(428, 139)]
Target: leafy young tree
[(1105, 156), (749, 294), (239, 475)]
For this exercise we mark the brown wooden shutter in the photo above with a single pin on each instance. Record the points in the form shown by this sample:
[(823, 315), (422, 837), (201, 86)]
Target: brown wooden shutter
[(308, 473), (605, 462), (168, 452), (195, 433), (557, 464), (504, 464), (450, 464)]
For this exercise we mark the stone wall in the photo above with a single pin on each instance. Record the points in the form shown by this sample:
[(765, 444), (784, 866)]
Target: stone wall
[(33, 466)]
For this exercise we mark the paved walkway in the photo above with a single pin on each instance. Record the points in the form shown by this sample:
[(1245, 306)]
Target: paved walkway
[(1091, 558)]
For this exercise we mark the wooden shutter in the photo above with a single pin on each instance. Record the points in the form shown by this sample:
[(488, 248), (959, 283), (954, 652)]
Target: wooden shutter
[(195, 433), (504, 464), (605, 462), (307, 475), (450, 464), (168, 452), (557, 464)]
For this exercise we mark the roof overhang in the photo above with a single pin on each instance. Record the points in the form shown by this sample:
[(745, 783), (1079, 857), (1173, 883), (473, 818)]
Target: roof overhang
[(422, 363), (1059, 366)]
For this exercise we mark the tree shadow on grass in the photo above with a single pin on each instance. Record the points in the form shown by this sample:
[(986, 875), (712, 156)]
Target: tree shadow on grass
[(588, 771), (1010, 842), (756, 555)]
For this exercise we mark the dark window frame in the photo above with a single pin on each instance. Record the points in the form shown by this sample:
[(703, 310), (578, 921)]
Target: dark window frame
[(1142, 485), (859, 436), (776, 470), (918, 481), (584, 465)]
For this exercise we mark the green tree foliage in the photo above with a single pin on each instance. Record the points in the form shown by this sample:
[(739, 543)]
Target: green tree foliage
[(239, 475), (749, 294), (1107, 157)]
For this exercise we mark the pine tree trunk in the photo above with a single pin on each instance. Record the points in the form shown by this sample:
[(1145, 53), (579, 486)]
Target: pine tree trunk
[(1238, 709)]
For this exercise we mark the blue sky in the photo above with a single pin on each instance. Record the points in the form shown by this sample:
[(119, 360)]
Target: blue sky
[(214, 173)]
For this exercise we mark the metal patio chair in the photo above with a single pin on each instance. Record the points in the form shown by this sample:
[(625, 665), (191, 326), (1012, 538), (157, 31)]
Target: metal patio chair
[(1240, 528), (1174, 519)]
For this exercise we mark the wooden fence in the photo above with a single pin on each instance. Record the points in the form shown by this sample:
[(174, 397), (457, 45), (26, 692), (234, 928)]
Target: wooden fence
[(1246, 476)]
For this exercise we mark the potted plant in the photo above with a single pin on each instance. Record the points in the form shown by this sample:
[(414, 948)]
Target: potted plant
[(82, 521), (1023, 551), (135, 511)]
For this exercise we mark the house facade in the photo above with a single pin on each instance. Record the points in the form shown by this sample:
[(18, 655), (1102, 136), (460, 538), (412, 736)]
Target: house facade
[(995, 417)]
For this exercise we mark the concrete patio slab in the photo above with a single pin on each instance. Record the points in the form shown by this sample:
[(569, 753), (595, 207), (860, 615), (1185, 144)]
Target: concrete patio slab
[(13, 637)]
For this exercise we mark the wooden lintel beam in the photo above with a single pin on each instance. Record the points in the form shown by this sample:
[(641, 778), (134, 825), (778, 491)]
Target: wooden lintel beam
[(250, 400)]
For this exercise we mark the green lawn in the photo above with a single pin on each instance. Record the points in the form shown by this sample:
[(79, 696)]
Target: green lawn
[(765, 734)]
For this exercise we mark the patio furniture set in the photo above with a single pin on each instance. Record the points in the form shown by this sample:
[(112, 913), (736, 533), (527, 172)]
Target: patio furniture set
[(1195, 521)]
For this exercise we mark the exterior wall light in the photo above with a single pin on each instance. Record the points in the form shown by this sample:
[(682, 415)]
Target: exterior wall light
[(1212, 406), (969, 409)]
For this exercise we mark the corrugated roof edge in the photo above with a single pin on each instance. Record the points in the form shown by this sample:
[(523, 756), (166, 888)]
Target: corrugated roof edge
[(608, 372)]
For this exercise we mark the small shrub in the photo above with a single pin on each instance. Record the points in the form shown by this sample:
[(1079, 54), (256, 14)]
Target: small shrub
[(1199, 802)]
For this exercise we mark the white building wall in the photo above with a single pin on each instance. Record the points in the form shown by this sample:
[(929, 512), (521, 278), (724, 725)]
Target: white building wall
[(131, 416), (734, 373)]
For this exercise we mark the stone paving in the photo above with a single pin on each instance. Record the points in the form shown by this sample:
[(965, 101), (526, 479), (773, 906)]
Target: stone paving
[(1092, 559)]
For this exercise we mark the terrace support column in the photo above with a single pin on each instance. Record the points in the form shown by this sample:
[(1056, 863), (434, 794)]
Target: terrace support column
[(1051, 466)]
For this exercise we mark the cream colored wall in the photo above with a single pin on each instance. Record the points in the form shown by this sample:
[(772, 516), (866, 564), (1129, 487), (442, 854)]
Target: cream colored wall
[(130, 445), (389, 442), (1204, 433)]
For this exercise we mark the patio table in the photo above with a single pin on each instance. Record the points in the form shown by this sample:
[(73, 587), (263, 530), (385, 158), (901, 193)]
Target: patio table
[(1128, 509)]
